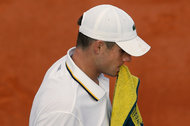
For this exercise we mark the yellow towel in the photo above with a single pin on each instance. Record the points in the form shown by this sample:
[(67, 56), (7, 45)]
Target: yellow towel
[(125, 111)]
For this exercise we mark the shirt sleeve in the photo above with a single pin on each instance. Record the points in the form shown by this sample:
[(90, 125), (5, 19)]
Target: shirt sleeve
[(58, 119)]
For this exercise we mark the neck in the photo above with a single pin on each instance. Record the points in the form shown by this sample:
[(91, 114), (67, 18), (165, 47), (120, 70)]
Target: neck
[(85, 61)]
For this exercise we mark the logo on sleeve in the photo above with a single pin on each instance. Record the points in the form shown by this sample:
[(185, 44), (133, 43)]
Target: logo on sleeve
[(134, 28)]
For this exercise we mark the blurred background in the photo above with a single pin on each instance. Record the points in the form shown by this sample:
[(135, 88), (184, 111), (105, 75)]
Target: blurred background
[(36, 33)]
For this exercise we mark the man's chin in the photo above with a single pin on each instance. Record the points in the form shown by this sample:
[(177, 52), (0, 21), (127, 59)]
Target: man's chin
[(113, 75)]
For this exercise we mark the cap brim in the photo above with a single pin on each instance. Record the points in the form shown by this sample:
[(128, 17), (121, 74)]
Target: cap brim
[(134, 47)]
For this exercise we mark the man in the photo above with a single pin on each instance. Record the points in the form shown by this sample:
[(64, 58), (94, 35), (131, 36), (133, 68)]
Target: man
[(74, 91)]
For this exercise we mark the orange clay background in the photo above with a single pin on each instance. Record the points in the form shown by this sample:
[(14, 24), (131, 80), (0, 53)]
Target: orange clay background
[(36, 33)]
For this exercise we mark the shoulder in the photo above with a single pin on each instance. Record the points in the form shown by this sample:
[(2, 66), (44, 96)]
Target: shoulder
[(57, 91), (55, 100)]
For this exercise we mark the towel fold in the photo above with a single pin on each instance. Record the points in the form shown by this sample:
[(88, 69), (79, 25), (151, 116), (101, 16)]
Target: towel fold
[(125, 111)]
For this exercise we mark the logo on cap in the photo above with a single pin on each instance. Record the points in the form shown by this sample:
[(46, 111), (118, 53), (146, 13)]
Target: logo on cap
[(134, 28)]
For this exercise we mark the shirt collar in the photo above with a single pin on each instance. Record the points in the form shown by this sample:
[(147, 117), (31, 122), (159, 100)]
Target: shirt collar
[(81, 78)]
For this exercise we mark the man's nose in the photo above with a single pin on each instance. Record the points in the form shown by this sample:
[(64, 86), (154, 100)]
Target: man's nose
[(126, 57)]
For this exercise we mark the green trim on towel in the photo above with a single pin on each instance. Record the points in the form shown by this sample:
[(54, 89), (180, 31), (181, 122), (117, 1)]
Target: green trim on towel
[(125, 110), (128, 119)]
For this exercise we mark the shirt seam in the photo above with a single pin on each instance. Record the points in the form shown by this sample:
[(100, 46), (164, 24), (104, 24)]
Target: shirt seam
[(63, 112)]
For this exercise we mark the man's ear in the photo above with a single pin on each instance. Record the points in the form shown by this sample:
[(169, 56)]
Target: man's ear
[(98, 46)]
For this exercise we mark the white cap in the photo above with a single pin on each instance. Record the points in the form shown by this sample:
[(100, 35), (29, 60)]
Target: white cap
[(109, 23)]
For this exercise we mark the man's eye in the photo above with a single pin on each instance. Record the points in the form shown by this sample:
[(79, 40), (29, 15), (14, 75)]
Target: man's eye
[(122, 51)]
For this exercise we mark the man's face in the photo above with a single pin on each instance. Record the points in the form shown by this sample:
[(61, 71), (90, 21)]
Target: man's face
[(112, 59)]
